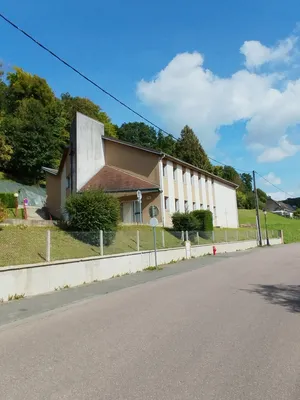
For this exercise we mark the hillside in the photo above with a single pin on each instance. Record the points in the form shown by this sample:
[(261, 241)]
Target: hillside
[(290, 227)]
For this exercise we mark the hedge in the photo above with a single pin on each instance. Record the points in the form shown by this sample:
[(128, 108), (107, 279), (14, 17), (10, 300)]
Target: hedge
[(198, 220), (7, 199)]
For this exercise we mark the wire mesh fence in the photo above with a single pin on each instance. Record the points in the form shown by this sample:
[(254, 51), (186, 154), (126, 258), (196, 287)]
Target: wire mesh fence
[(29, 245)]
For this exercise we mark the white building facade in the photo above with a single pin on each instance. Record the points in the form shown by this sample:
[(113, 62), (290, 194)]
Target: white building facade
[(187, 188)]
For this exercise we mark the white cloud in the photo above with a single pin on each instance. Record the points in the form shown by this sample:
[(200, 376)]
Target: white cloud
[(279, 195), (184, 92), (257, 54), (272, 178), (278, 153)]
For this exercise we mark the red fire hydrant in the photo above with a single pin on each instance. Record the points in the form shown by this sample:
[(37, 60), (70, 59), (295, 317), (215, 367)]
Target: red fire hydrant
[(214, 250)]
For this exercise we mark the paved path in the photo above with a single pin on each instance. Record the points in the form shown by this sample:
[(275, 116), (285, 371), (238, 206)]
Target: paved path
[(229, 330)]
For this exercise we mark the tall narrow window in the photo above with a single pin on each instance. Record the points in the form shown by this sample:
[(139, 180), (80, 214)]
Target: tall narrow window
[(165, 170), (194, 206), (166, 203), (186, 206), (192, 178), (184, 176), (174, 173), (176, 205)]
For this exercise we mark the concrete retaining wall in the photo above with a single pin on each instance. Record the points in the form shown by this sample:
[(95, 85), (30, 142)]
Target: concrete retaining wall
[(42, 278)]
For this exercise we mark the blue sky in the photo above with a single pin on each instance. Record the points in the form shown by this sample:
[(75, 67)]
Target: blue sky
[(228, 69)]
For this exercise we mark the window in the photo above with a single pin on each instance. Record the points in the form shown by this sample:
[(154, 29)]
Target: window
[(176, 205), (166, 203), (68, 182), (165, 170), (174, 173), (194, 206), (192, 177), (184, 176), (201, 206), (186, 206), (208, 207)]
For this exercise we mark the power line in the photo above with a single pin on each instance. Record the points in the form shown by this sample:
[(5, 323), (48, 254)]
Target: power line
[(96, 85), (276, 187)]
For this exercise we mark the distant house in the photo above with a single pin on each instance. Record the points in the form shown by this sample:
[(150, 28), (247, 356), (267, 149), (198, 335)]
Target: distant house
[(94, 161), (278, 207)]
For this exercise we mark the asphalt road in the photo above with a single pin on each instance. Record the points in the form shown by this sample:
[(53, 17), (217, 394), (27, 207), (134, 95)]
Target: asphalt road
[(229, 330)]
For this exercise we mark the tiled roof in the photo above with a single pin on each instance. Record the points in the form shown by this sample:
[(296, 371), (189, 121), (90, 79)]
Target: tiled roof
[(112, 179)]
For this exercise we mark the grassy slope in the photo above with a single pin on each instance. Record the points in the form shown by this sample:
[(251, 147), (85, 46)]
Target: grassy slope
[(26, 245), (290, 227)]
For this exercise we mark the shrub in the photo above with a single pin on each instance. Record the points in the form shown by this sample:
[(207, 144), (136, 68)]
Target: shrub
[(184, 222), (92, 211), (3, 212), (204, 220), (7, 199)]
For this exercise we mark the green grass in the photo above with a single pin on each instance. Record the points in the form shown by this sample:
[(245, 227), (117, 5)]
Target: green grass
[(27, 245), (11, 213), (290, 226)]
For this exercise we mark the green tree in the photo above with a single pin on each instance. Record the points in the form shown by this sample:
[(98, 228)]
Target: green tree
[(85, 106), (247, 181), (23, 85), (189, 149), (138, 133), (166, 143), (6, 152), (218, 170), (241, 199), (36, 134)]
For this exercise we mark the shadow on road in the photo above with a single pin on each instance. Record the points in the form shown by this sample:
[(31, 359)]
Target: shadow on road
[(287, 296)]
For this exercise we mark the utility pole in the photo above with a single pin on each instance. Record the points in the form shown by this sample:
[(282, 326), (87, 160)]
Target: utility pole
[(257, 211)]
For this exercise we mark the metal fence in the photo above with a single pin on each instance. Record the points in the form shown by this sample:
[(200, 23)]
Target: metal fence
[(35, 245)]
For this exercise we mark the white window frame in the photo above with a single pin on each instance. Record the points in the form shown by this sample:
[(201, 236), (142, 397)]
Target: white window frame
[(194, 206), (175, 173), (186, 206), (177, 207)]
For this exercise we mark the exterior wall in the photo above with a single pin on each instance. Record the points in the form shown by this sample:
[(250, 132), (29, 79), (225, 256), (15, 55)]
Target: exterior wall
[(226, 206), (161, 196), (53, 184), (86, 138), (139, 162), (148, 199), (201, 191), (42, 278)]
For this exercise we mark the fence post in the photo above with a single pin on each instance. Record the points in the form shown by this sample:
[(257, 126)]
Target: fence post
[(281, 235), (182, 236), (226, 239), (198, 238), (137, 240), (163, 237), (186, 236), (213, 236), (48, 248), (101, 242)]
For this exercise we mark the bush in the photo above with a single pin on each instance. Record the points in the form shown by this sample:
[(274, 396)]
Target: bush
[(92, 211), (204, 220), (3, 212), (7, 199), (184, 222)]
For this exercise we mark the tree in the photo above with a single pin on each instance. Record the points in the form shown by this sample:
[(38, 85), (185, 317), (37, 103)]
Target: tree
[(218, 170), (6, 152), (23, 85), (36, 134), (189, 149), (241, 199), (262, 198), (247, 181), (138, 133), (85, 106), (166, 143)]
